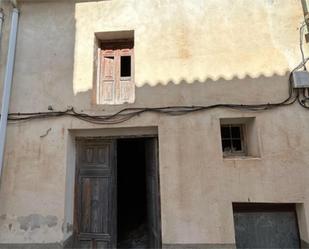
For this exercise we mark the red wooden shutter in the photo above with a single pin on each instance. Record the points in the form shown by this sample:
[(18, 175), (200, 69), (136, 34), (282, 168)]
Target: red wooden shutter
[(106, 88), (126, 92)]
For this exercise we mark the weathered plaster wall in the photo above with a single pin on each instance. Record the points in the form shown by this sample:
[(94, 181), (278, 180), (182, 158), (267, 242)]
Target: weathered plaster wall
[(187, 53)]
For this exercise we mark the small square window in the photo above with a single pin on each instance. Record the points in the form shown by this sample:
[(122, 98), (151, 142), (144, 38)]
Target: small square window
[(233, 139), (239, 137)]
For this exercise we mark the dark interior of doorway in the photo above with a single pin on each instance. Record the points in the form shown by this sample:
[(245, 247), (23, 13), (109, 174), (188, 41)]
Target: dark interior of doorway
[(132, 218)]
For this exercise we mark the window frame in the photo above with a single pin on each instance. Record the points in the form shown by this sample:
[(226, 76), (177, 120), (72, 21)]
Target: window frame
[(243, 140), (123, 89)]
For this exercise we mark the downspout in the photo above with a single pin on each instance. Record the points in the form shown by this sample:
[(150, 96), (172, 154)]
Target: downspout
[(8, 82), (1, 21)]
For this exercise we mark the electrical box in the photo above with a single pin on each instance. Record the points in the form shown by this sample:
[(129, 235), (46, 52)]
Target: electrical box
[(300, 79)]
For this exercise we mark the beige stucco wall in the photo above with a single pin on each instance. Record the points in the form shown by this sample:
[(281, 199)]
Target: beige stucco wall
[(186, 53)]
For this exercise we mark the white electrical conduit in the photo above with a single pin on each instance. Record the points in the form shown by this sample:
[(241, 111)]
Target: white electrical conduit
[(8, 83)]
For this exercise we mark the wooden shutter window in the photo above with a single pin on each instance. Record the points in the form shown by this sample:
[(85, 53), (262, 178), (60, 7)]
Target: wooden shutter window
[(106, 84), (126, 83), (116, 77)]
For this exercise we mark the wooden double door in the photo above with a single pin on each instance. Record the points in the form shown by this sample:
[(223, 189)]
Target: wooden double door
[(95, 222)]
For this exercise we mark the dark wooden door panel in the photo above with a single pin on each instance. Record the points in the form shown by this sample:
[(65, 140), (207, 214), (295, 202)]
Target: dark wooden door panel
[(95, 214), (153, 192), (94, 155), (94, 205), (97, 244)]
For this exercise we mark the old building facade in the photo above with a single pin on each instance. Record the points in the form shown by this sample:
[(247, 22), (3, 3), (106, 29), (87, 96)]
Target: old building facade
[(173, 177)]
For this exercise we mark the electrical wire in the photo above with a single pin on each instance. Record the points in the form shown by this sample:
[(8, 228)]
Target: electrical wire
[(301, 96), (129, 113), (301, 35)]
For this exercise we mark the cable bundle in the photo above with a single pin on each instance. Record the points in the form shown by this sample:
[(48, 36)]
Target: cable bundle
[(301, 95)]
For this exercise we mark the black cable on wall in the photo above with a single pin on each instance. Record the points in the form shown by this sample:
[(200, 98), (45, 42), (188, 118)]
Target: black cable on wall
[(300, 96)]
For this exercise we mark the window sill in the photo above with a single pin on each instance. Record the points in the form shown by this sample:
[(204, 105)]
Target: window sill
[(241, 158)]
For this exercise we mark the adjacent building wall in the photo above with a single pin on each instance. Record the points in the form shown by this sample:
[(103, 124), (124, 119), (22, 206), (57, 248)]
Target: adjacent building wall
[(186, 53)]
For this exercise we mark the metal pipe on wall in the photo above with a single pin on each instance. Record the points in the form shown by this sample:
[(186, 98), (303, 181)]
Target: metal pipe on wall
[(1, 22), (8, 84)]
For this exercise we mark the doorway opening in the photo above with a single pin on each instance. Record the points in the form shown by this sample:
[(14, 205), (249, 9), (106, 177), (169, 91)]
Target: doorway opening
[(132, 222)]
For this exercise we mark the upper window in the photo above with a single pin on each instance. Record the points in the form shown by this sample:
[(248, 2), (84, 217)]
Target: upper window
[(115, 83)]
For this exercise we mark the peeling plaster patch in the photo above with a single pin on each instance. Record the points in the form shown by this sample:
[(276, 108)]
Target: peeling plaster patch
[(67, 227), (34, 221), (51, 220)]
